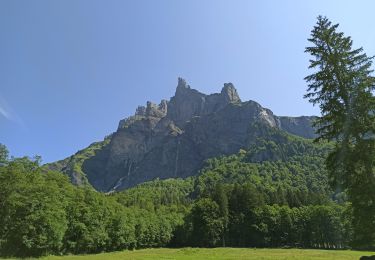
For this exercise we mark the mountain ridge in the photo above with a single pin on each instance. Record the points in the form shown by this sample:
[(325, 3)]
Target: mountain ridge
[(174, 138)]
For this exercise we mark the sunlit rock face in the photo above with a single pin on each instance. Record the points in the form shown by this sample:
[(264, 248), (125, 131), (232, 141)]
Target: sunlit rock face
[(173, 138)]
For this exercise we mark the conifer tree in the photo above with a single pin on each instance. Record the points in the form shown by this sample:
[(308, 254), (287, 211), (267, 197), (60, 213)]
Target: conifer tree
[(3, 154), (342, 85), (221, 198)]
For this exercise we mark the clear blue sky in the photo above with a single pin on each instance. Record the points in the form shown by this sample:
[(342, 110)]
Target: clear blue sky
[(70, 70)]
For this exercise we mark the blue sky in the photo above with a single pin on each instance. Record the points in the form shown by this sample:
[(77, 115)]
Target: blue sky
[(70, 70)]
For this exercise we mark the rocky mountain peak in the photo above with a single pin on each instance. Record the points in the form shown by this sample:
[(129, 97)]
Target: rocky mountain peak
[(182, 83), (189, 102), (229, 93), (155, 110), (182, 87), (175, 137)]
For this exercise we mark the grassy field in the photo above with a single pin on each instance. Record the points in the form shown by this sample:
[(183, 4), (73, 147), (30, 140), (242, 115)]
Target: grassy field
[(219, 253)]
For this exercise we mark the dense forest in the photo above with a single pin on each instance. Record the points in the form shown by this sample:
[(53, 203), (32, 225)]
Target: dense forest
[(238, 200)]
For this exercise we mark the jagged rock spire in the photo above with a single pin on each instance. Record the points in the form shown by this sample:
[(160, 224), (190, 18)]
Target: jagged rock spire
[(229, 92), (182, 86)]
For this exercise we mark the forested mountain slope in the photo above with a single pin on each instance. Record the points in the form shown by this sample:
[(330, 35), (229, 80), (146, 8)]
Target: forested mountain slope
[(283, 168), (275, 193)]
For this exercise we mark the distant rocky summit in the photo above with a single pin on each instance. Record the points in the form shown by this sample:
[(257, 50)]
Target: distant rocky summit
[(173, 138)]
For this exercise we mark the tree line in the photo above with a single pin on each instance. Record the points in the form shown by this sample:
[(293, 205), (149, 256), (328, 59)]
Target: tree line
[(237, 216), (42, 213), (233, 202)]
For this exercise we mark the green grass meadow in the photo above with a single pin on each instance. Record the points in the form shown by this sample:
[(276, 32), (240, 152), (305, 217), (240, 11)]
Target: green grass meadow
[(219, 253)]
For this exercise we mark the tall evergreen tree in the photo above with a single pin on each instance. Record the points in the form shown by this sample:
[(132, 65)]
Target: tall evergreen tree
[(206, 222), (221, 198), (3, 154), (342, 86)]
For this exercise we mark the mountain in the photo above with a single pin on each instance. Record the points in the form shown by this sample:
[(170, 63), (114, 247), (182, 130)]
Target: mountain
[(174, 138)]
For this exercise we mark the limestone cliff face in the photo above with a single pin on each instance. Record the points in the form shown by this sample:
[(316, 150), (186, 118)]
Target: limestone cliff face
[(173, 139), (300, 126)]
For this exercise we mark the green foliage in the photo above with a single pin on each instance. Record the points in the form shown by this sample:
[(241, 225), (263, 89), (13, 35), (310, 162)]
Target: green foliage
[(253, 223), (244, 200), (4, 153), (297, 179), (235, 201), (89, 216), (271, 144), (73, 166), (32, 216), (285, 201), (342, 86), (207, 224), (318, 226), (155, 194), (42, 213), (221, 198)]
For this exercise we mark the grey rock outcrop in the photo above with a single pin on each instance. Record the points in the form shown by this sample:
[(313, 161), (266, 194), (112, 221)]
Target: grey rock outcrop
[(300, 126), (188, 103), (174, 138)]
